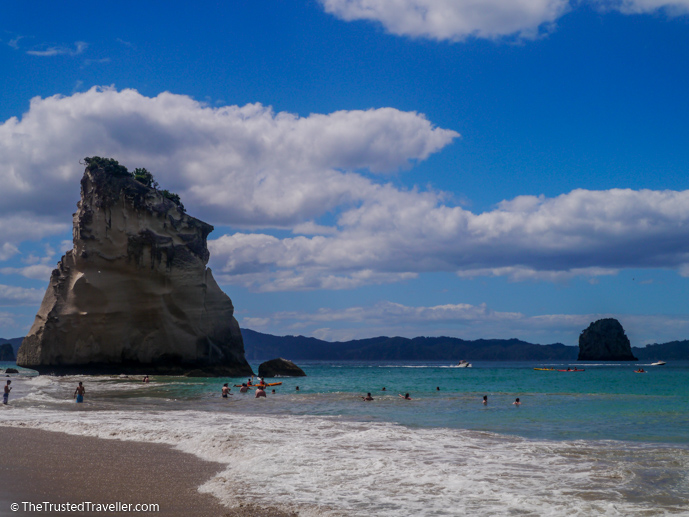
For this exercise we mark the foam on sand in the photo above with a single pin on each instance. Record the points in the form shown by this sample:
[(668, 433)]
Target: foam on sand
[(336, 467)]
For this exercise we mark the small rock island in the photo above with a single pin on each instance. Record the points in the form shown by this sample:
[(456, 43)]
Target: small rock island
[(134, 294), (605, 340)]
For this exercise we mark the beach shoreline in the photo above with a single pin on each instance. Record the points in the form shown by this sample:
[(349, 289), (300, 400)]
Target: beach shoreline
[(44, 466)]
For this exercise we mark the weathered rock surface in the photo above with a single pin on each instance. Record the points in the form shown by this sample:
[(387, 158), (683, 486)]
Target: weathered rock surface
[(134, 294), (6, 352), (11, 370), (280, 368), (605, 340)]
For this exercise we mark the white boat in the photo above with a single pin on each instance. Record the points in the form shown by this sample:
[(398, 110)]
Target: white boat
[(658, 363), (463, 364)]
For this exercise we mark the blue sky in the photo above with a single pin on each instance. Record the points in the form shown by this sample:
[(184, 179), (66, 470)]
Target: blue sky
[(406, 167)]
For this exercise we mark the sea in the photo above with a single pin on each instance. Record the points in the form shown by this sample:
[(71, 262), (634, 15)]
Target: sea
[(603, 441)]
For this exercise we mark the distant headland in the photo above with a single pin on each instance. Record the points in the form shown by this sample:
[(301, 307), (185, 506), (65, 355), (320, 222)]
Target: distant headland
[(260, 346)]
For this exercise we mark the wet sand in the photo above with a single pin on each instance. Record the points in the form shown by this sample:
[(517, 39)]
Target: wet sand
[(39, 466)]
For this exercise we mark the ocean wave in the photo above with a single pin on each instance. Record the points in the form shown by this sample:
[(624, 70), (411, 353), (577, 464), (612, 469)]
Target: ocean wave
[(336, 467)]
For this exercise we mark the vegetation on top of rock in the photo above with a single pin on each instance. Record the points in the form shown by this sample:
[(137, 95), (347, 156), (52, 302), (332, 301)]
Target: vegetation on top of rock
[(142, 175), (109, 165), (145, 177)]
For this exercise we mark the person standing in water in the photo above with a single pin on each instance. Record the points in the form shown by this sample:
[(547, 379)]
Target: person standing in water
[(368, 397), (516, 402), (485, 400), (145, 379), (260, 392), (6, 394), (79, 392), (225, 390)]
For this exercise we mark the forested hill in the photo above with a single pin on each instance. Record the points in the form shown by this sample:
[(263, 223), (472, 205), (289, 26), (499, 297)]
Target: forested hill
[(672, 351), (260, 346)]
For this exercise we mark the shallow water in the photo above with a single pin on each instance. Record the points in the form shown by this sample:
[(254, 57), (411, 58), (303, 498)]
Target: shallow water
[(605, 441)]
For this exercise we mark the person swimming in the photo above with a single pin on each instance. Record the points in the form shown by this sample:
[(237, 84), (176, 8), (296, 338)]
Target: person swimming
[(485, 400), (368, 397), (516, 402), (405, 396)]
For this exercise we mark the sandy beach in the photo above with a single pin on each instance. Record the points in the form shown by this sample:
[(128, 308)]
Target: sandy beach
[(38, 466)]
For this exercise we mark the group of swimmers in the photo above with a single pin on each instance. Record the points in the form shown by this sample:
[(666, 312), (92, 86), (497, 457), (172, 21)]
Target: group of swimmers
[(244, 388), (406, 396)]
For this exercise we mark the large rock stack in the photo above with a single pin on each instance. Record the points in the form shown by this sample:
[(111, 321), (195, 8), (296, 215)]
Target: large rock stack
[(134, 294)]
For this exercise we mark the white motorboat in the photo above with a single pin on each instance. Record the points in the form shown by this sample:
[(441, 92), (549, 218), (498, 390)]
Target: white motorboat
[(658, 363), (463, 364)]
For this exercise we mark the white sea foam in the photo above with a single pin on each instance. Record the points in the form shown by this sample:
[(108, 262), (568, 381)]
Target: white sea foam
[(335, 467)]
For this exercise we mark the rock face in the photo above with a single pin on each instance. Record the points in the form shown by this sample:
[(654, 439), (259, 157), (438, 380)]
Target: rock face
[(6, 352), (280, 368), (605, 340), (134, 294)]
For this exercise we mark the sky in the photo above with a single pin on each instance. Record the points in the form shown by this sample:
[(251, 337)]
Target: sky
[(476, 169)]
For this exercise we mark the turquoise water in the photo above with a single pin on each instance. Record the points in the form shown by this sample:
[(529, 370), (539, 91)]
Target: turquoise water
[(606, 401), (606, 441), (603, 402)]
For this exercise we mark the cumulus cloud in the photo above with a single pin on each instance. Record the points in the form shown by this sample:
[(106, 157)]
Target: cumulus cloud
[(456, 20), (232, 165), (11, 295), (397, 235), (459, 320), (8, 250), (257, 171)]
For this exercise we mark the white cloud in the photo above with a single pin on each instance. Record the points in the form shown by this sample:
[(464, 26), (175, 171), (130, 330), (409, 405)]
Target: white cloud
[(79, 48), (7, 320), (459, 320), (453, 19), (456, 20), (231, 165), (671, 7), (36, 271), (397, 235), (250, 167), (28, 225), (11, 296), (8, 250)]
